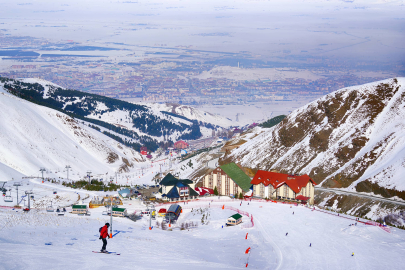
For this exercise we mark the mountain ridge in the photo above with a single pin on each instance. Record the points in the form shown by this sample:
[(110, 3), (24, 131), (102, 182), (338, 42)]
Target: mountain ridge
[(351, 136)]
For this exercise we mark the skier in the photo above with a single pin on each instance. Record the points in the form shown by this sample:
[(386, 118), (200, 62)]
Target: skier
[(310, 244), (104, 235), (286, 234), (293, 213), (352, 254)]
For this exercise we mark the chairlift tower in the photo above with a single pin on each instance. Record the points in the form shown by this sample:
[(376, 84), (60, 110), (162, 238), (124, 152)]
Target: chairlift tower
[(17, 184), (28, 193), (67, 171), (89, 175), (42, 171)]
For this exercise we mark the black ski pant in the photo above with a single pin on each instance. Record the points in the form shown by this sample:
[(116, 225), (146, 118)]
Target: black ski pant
[(104, 243)]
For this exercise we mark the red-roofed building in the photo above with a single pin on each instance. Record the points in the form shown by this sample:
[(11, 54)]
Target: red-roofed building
[(180, 145), (203, 191), (274, 185)]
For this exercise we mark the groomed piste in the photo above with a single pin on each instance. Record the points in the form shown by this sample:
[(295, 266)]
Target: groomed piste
[(278, 239)]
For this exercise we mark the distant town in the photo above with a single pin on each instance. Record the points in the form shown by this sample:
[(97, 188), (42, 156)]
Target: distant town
[(162, 74)]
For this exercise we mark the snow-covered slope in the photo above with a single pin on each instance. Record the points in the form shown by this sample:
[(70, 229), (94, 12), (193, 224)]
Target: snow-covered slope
[(135, 124), (33, 136), (353, 138), (193, 114)]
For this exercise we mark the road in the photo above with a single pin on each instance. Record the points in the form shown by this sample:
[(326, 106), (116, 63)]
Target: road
[(338, 191)]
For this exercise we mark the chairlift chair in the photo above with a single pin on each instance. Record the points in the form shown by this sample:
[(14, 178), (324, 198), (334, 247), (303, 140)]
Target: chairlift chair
[(8, 198)]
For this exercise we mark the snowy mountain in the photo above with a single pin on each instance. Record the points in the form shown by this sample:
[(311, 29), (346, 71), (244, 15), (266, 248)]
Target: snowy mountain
[(131, 124), (191, 113), (33, 136), (353, 139)]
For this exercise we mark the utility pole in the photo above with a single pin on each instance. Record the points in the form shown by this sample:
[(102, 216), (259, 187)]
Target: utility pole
[(67, 171), (16, 184), (89, 175), (116, 177), (42, 171), (111, 217)]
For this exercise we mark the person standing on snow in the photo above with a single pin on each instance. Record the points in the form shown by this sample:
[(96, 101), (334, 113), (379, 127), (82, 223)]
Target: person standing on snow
[(104, 235)]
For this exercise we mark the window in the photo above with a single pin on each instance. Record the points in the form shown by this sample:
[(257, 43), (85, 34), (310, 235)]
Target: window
[(261, 190), (184, 191), (271, 190), (226, 185)]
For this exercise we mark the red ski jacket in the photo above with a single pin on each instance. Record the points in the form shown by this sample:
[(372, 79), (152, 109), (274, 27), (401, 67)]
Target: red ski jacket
[(104, 232)]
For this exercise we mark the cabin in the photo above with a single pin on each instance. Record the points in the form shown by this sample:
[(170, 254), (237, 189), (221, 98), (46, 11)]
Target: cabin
[(180, 145), (79, 209), (173, 189), (119, 212), (173, 213), (144, 150), (229, 180), (273, 185), (234, 220)]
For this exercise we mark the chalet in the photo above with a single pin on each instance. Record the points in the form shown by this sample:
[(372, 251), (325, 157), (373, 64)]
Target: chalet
[(173, 189), (229, 180), (180, 145), (234, 220), (119, 212), (144, 150), (79, 209), (275, 185)]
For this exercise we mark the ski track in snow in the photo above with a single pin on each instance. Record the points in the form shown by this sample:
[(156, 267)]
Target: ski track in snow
[(39, 240)]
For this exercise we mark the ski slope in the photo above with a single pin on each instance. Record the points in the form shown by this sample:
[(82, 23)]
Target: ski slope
[(41, 240)]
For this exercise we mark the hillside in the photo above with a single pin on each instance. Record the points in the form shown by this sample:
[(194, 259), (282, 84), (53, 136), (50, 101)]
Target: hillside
[(131, 124), (353, 138), (33, 136)]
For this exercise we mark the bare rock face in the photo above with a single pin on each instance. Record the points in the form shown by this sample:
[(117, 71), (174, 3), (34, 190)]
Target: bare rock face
[(350, 136)]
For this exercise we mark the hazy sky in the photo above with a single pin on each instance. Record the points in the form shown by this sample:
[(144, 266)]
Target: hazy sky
[(364, 30)]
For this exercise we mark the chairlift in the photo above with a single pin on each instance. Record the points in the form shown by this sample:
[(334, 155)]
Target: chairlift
[(8, 198)]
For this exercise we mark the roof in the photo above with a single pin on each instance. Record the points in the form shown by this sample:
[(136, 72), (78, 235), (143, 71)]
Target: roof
[(173, 193), (124, 192), (236, 216), (116, 209), (173, 208), (237, 175), (180, 142), (170, 180), (192, 192), (77, 206), (302, 198), (162, 210), (295, 182), (203, 191)]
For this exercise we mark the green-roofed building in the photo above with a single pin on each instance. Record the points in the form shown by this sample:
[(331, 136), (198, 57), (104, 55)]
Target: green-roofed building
[(229, 179), (234, 220), (79, 209), (119, 212)]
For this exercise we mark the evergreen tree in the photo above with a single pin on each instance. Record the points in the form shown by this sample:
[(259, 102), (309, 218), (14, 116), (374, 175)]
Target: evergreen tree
[(216, 191)]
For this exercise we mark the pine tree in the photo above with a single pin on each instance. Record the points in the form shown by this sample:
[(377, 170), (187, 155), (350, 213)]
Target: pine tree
[(215, 191)]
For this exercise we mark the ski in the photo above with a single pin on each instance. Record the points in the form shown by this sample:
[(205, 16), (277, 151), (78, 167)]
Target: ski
[(114, 253)]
